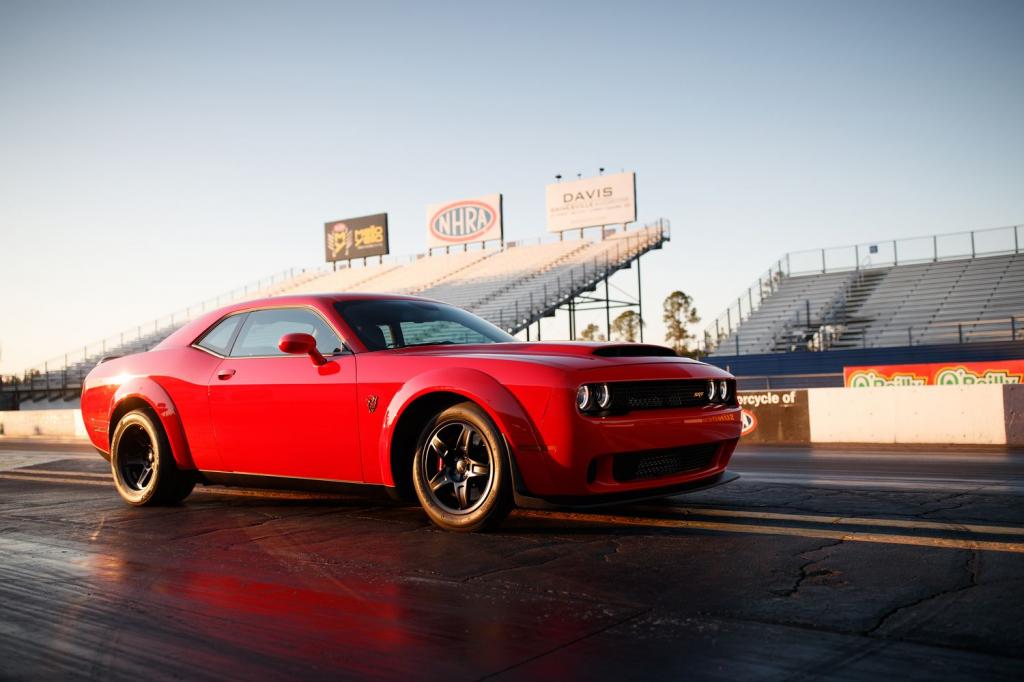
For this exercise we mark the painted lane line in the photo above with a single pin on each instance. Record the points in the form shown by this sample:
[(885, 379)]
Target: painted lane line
[(53, 479), (881, 538), (846, 520), (10, 461), (905, 485), (920, 541), (212, 490), (56, 472)]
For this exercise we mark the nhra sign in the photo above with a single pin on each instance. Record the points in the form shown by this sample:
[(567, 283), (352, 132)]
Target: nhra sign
[(356, 237), (936, 374), (775, 416), (465, 221), (604, 200)]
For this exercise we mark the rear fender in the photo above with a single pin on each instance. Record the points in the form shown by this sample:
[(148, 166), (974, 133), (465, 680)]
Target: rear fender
[(497, 401), (158, 400)]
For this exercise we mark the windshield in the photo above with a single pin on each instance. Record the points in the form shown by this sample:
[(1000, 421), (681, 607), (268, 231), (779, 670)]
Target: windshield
[(382, 324)]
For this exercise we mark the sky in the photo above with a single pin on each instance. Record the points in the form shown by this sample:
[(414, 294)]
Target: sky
[(156, 154)]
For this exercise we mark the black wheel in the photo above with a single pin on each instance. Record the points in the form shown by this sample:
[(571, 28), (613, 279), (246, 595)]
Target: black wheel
[(460, 471), (142, 463)]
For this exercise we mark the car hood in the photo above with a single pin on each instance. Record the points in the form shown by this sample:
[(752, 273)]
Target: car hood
[(565, 355)]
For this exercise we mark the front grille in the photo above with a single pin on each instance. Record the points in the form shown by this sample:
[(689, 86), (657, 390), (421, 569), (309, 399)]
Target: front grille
[(655, 395), (637, 466)]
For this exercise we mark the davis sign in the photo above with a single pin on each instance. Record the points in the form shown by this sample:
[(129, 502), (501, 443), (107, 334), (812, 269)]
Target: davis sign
[(604, 200)]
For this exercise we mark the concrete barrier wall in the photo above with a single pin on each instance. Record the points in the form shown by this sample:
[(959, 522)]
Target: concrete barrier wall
[(53, 423), (979, 414), (955, 415)]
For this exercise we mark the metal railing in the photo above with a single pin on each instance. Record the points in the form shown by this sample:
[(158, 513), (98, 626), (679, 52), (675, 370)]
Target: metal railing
[(719, 330), (787, 381), (966, 331), (97, 349), (64, 374), (858, 257), (582, 277), (908, 251)]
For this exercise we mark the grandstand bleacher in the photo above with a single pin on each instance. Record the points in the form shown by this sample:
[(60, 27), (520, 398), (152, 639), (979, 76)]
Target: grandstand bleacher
[(512, 286), (944, 301)]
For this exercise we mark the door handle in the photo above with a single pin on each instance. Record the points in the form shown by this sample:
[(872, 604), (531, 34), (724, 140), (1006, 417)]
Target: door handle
[(225, 374)]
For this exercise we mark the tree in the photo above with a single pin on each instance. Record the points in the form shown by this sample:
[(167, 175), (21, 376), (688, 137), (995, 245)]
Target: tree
[(591, 333), (626, 327), (678, 313)]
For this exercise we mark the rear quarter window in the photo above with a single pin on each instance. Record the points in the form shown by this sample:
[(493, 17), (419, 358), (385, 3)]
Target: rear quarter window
[(218, 338)]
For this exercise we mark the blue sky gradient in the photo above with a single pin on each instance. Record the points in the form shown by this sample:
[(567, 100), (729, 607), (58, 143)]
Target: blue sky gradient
[(154, 154)]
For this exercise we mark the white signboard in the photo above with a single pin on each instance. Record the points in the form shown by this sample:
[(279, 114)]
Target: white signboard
[(464, 221), (604, 200)]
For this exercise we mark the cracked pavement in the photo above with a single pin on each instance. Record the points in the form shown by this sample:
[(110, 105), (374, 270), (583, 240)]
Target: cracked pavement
[(836, 564)]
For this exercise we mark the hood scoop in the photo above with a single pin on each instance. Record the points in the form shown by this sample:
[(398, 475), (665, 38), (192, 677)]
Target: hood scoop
[(634, 350)]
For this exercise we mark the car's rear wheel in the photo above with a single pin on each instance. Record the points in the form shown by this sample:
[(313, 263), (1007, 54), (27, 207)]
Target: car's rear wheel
[(461, 472), (142, 464)]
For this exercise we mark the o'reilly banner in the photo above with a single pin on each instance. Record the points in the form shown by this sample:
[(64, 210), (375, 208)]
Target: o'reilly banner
[(604, 200), (464, 221), (356, 237)]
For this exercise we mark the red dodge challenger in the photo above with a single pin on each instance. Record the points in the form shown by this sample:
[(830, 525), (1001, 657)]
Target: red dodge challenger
[(421, 398)]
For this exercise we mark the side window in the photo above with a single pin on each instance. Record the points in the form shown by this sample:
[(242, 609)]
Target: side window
[(264, 328), (218, 338)]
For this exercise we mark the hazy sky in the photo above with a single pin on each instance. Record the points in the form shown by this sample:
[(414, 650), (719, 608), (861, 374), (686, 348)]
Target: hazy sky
[(154, 154)]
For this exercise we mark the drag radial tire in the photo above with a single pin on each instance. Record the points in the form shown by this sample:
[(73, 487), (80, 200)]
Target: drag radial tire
[(461, 471), (142, 464)]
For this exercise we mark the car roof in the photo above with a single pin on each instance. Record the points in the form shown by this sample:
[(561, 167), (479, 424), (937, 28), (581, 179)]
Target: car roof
[(187, 333), (326, 297)]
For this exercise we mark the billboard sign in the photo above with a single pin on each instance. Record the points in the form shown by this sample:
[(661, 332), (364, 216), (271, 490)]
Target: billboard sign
[(775, 416), (464, 221), (356, 237), (936, 374), (604, 200)]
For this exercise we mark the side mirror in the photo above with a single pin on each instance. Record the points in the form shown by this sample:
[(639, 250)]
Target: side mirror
[(301, 344)]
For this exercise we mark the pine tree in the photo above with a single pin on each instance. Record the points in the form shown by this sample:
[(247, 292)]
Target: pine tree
[(626, 327), (678, 313)]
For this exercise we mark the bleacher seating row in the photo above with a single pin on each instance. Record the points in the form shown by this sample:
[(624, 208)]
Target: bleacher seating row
[(510, 286), (963, 300)]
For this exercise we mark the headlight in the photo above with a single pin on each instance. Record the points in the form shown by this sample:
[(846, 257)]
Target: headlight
[(711, 391), (723, 390), (593, 398), (584, 398)]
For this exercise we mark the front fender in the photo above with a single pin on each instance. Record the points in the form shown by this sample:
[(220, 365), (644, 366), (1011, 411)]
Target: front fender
[(153, 394), (497, 401)]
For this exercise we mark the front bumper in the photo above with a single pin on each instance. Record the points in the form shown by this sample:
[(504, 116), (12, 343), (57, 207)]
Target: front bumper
[(576, 454)]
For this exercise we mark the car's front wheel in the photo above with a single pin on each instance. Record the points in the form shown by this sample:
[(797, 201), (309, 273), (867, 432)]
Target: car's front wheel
[(142, 464), (460, 471)]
